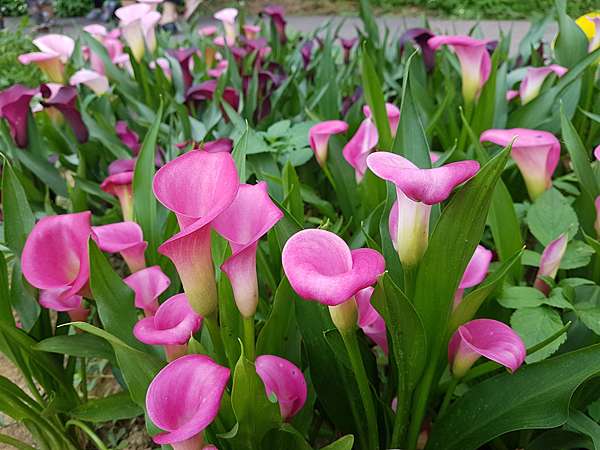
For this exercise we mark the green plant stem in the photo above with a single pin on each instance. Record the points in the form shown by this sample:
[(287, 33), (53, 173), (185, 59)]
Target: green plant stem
[(464, 132), (351, 343), (329, 176), (448, 397), (400, 420), (420, 403), (78, 196), (249, 344), (410, 278), (87, 430), (83, 376), (215, 336)]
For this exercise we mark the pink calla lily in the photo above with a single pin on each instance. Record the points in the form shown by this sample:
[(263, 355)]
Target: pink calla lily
[(319, 134), (475, 62), (532, 83), (535, 152), (164, 65), (597, 153), (416, 190), (206, 91), (128, 137), (369, 320), (137, 22), (251, 31), (475, 272), (249, 217), (393, 114), (55, 255), (125, 238), (172, 326), (360, 146), (64, 100), (73, 305), (14, 108), (227, 17), (420, 36), (222, 145), (185, 413), (488, 338), (120, 185), (197, 187), (148, 284), (208, 30), (286, 381), (55, 51), (550, 261), (94, 80)]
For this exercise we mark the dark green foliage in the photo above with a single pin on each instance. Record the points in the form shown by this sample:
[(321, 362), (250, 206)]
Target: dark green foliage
[(72, 8), (12, 44), (13, 7)]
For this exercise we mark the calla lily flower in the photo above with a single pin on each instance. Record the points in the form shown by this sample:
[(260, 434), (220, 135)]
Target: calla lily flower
[(488, 338), (276, 13), (137, 22), (197, 187), (55, 255), (359, 146), (306, 52), (208, 30), (172, 326), (227, 17), (206, 91), (590, 25), (251, 31), (128, 137), (369, 320), (318, 137), (55, 51), (347, 46), (184, 57), (14, 108), (320, 266), (416, 190), (219, 70), (249, 217), (421, 37), (64, 99), (393, 113), (94, 80), (120, 185), (286, 381), (532, 83), (597, 153), (185, 413), (536, 153), (550, 262), (111, 42), (475, 62), (148, 284), (222, 145), (53, 299), (475, 272), (125, 238)]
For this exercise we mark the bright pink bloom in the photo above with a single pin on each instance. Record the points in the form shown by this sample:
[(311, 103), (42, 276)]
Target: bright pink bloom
[(172, 326), (128, 137), (125, 238), (94, 80), (137, 22), (251, 31), (393, 113), (164, 65), (121, 165), (249, 217), (597, 153), (219, 70), (207, 30), (416, 191), (55, 255), (419, 36), (488, 338), (227, 17), (359, 146), (185, 413), (148, 284), (532, 83), (511, 94), (475, 62), (550, 261), (285, 380), (222, 145), (120, 185), (14, 107), (475, 272), (197, 187), (54, 299), (55, 51), (536, 153), (276, 13), (369, 319), (319, 134)]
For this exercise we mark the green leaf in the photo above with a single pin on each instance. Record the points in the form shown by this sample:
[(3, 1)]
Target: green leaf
[(516, 297), (81, 345), (588, 310), (343, 443), (578, 254), (585, 425), (536, 396), (292, 193), (550, 216), (239, 154), (18, 218), (375, 100), (571, 44), (144, 203), (285, 437), (113, 407), (536, 324)]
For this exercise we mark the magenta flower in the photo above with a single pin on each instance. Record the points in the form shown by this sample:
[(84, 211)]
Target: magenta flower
[(320, 266), (532, 83), (597, 153), (347, 46), (306, 53), (94, 80), (249, 217), (276, 13), (206, 91), (285, 380), (369, 320), (536, 153), (64, 99), (185, 413), (148, 284), (475, 272), (125, 238), (137, 23), (55, 51), (14, 108), (421, 37), (55, 255), (393, 113), (208, 30), (185, 58), (318, 137), (129, 137), (172, 326), (227, 17), (197, 187), (110, 40), (359, 146), (475, 63), (251, 31), (222, 145), (488, 338), (73, 305), (120, 185), (416, 190), (164, 65), (550, 262)]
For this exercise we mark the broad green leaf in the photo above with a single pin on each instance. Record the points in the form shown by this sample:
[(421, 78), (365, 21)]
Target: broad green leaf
[(113, 407), (516, 297), (536, 396), (588, 310), (81, 345), (536, 324), (239, 154), (585, 425), (18, 218), (343, 443), (285, 437), (550, 216), (578, 254), (292, 192), (375, 100), (571, 44)]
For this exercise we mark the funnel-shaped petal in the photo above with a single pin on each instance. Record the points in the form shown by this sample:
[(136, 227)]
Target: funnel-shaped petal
[(590, 25), (206, 91), (55, 255), (318, 137), (488, 338), (55, 50), (475, 272), (550, 261), (131, 18), (536, 153), (227, 17), (55, 300), (249, 217), (285, 380), (120, 185), (57, 44), (277, 13), (197, 187), (369, 320), (358, 148), (475, 62), (207, 30), (393, 114), (251, 31), (321, 267), (420, 36), (222, 145), (125, 238), (148, 23), (65, 101), (94, 80), (14, 108), (532, 83), (185, 413), (129, 137), (148, 284)]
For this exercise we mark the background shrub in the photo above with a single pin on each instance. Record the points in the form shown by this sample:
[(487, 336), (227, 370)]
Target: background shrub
[(13, 7), (72, 8), (12, 44)]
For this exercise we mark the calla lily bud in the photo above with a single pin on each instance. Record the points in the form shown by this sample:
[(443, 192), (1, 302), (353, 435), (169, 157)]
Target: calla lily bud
[(393, 114), (475, 272), (121, 186), (318, 137), (125, 238), (360, 146), (550, 261), (532, 83), (148, 284), (369, 320), (491, 339)]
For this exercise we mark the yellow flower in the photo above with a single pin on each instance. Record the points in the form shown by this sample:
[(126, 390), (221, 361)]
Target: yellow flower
[(590, 25)]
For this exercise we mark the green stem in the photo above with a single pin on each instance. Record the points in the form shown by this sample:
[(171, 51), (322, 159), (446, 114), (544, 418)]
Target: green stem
[(215, 337), (464, 132), (351, 343), (87, 430), (329, 176), (448, 397), (249, 345), (410, 278), (83, 376), (78, 196), (420, 404), (400, 421)]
